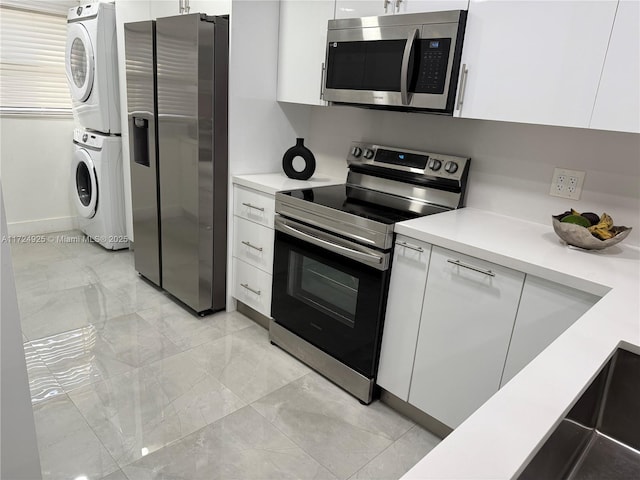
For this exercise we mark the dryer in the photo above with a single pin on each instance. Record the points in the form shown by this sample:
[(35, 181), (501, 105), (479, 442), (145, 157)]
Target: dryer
[(92, 66), (98, 187)]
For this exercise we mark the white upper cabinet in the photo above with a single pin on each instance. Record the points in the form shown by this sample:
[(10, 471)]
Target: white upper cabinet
[(617, 104), (417, 6), (302, 49), (363, 8), (168, 8), (535, 62), (374, 8), (210, 7)]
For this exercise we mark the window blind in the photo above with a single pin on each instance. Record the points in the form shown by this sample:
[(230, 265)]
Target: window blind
[(32, 58)]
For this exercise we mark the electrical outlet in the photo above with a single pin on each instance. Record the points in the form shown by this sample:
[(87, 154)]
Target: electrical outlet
[(567, 183)]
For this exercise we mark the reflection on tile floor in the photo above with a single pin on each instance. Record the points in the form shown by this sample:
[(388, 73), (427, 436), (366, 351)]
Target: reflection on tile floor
[(128, 385)]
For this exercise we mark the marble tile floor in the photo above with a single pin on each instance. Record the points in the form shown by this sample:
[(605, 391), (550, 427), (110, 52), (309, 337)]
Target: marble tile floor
[(128, 385)]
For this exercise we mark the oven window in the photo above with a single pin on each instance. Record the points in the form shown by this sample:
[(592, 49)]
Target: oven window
[(323, 288)]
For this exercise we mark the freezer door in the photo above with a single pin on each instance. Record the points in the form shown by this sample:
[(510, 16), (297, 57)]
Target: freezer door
[(192, 57), (140, 73)]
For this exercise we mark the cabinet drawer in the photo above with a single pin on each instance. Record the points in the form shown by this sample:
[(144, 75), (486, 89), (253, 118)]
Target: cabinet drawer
[(253, 205), (402, 319), (468, 314), (252, 286), (253, 243)]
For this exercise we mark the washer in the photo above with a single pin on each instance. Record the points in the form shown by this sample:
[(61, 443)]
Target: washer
[(92, 66), (98, 189)]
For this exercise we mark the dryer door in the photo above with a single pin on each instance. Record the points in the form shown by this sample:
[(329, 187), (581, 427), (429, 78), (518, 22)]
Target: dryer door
[(85, 191), (80, 62)]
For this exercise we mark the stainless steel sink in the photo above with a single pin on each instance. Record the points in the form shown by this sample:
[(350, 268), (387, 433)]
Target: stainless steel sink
[(600, 437)]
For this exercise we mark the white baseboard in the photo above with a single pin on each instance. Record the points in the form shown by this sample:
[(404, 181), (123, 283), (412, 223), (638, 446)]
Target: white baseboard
[(45, 225)]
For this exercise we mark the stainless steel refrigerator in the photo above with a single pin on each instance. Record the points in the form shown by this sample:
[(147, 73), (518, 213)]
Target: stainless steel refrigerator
[(177, 84)]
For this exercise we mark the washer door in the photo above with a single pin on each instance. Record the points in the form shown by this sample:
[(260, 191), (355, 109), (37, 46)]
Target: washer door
[(80, 64), (85, 192)]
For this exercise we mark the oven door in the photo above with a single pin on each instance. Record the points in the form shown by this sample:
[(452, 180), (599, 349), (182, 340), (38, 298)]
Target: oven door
[(330, 292)]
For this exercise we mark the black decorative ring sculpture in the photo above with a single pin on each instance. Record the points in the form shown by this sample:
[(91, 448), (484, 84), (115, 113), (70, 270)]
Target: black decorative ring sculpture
[(299, 150)]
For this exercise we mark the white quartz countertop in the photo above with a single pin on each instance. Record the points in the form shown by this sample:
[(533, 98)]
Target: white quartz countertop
[(500, 438), (275, 182)]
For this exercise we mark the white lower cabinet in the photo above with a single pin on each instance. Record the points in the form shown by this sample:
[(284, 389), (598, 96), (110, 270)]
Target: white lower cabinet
[(457, 328), (402, 321), (546, 310), (258, 207), (252, 286), (253, 238), (469, 309), (253, 243)]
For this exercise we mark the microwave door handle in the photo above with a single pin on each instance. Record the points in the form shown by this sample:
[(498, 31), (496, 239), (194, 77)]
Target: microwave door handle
[(404, 73)]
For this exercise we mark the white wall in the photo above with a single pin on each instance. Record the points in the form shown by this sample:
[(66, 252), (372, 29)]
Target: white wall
[(260, 129), (511, 166), (35, 164)]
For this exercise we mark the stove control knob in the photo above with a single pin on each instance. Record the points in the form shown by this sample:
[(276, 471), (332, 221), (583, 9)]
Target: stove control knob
[(434, 164), (451, 167), (368, 154), (356, 151)]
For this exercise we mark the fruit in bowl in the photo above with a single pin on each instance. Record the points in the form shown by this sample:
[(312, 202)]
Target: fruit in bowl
[(588, 230)]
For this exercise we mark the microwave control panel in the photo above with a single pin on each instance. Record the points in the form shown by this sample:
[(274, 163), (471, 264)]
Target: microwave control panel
[(431, 68)]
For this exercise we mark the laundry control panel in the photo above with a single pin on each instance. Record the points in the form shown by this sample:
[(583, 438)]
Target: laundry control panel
[(83, 12), (88, 138)]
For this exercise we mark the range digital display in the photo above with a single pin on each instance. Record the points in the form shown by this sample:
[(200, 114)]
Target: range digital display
[(405, 159)]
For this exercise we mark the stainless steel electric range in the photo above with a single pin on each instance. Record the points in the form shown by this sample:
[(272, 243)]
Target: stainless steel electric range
[(333, 252)]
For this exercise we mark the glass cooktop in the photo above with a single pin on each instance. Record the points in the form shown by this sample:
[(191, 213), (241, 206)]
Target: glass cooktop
[(361, 202)]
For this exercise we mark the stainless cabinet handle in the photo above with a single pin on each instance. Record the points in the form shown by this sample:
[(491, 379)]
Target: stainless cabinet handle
[(248, 205), (248, 244), (463, 86), (411, 247), (322, 81), (398, 2), (458, 263), (404, 73), (386, 5), (246, 285)]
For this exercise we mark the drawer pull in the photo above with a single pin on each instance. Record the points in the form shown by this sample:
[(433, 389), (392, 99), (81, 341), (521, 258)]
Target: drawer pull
[(411, 247), (248, 244), (248, 205), (458, 263), (246, 285)]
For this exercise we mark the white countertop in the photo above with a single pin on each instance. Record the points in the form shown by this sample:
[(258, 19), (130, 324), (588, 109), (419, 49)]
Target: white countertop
[(500, 438), (275, 182)]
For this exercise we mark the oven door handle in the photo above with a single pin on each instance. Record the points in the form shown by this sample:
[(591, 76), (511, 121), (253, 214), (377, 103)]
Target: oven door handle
[(404, 73), (376, 261)]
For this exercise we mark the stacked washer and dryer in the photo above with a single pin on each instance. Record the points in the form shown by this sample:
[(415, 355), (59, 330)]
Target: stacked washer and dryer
[(96, 168)]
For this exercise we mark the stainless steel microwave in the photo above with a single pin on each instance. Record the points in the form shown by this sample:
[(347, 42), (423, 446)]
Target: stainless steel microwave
[(405, 62)]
